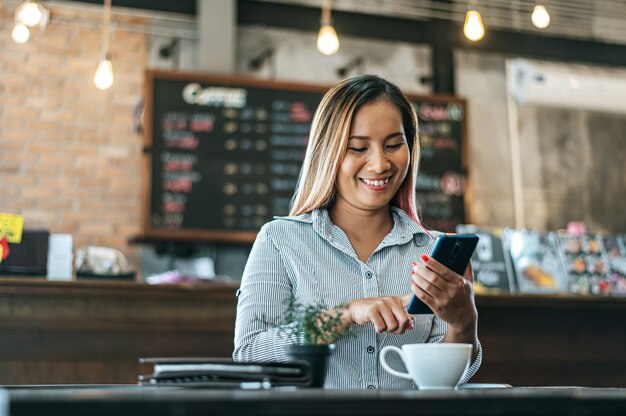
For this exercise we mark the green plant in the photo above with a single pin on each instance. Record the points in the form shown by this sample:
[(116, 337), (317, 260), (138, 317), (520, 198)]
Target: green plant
[(311, 324)]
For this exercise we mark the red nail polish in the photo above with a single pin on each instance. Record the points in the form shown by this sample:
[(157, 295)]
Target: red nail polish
[(414, 264), (424, 258)]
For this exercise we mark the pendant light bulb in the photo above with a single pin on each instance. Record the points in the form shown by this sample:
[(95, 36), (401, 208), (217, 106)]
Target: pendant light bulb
[(103, 78), (30, 13), (20, 33), (473, 28), (327, 40), (540, 17)]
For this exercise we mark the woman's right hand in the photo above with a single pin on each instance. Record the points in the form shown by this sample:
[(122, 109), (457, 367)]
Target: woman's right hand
[(388, 314)]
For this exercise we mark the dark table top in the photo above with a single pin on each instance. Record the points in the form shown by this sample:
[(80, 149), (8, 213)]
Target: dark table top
[(135, 400)]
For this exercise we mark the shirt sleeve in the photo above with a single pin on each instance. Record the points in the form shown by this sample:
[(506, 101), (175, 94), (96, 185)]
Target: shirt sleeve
[(264, 297), (437, 332), (473, 368)]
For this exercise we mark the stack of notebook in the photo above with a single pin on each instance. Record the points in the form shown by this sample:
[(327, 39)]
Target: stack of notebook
[(224, 373)]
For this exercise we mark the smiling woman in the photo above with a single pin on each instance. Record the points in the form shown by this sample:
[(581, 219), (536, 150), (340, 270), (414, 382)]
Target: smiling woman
[(350, 242)]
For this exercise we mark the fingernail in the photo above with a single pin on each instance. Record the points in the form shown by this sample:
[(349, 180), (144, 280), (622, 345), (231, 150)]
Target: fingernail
[(425, 258), (410, 325), (414, 264)]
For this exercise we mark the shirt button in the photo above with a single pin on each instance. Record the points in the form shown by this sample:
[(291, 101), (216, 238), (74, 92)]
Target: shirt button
[(371, 386), (369, 274), (370, 349)]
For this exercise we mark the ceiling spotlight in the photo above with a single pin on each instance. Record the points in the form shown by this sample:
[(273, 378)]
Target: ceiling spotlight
[(540, 17), (258, 61), (353, 64)]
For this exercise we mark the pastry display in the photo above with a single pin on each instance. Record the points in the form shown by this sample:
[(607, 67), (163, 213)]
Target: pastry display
[(573, 246), (539, 276), (587, 268), (536, 261), (578, 265), (593, 246)]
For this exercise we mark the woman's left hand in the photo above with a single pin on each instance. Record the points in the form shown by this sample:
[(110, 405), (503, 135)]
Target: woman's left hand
[(449, 295)]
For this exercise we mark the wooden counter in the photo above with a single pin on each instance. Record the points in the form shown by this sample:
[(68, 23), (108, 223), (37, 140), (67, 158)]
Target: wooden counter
[(312, 402), (553, 340), (93, 332)]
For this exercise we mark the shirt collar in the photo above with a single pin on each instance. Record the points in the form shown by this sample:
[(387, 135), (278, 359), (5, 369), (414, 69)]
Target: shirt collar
[(404, 228), (403, 231)]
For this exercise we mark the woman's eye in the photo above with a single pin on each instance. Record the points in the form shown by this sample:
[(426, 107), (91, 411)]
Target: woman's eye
[(394, 146), (358, 149)]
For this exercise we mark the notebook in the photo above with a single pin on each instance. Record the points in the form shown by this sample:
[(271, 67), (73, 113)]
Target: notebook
[(224, 373)]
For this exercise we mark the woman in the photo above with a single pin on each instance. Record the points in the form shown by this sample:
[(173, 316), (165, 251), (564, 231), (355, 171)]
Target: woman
[(353, 241)]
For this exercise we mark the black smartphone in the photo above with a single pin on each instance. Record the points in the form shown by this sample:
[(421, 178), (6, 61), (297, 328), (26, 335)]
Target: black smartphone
[(453, 251)]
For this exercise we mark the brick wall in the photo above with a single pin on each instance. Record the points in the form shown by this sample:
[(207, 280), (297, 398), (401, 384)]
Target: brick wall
[(70, 161)]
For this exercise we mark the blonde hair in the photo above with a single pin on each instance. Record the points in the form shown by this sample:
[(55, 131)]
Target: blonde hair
[(329, 139)]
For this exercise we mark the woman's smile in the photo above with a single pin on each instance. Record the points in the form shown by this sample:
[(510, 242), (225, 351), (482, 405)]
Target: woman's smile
[(377, 184)]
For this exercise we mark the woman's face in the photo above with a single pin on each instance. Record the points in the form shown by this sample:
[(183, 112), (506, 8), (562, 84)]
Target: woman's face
[(377, 158)]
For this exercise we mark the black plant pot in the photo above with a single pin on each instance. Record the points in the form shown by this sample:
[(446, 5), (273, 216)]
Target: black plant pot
[(316, 355)]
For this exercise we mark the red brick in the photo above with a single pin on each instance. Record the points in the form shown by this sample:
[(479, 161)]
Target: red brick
[(38, 194), (15, 181), (37, 217), (41, 148), (96, 229), (23, 113), (70, 158)]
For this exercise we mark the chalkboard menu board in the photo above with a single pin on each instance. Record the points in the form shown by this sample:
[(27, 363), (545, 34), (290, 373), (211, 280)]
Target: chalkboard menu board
[(441, 181), (224, 155)]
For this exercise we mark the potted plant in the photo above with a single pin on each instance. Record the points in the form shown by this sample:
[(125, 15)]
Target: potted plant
[(311, 330)]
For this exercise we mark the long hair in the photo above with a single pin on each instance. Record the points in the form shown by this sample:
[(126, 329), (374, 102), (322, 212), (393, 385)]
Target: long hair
[(329, 139)]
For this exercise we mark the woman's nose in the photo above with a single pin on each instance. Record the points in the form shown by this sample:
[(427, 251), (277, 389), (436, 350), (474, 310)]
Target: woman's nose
[(378, 161)]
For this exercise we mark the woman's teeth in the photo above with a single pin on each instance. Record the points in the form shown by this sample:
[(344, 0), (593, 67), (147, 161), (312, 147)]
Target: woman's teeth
[(375, 183)]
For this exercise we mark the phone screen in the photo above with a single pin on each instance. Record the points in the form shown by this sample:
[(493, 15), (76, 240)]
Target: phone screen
[(453, 251)]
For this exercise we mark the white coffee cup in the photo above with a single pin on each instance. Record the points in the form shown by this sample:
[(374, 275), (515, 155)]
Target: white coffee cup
[(431, 366)]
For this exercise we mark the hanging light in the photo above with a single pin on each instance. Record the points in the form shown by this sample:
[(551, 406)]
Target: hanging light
[(327, 40), (473, 27), (103, 78), (31, 13), (20, 33), (28, 14), (540, 17)]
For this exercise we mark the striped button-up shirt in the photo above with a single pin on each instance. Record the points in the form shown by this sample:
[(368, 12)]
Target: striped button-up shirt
[(310, 260)]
